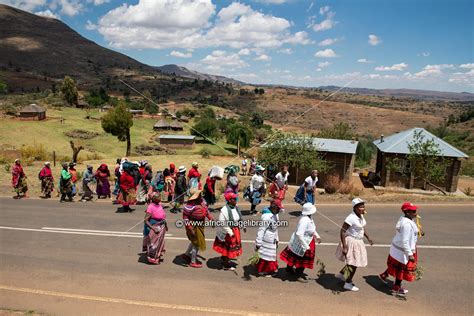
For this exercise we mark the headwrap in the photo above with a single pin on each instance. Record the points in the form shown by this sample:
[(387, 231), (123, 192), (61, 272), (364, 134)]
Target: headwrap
[(230, 195)]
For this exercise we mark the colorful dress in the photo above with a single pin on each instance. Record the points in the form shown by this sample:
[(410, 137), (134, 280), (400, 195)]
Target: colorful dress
[(19, 179), (194, 179), (209, 191), (300, 197), (267, 242), (47, 181), (103, 185), (356, 254), (228, 241), (127, 195), (154, 242)]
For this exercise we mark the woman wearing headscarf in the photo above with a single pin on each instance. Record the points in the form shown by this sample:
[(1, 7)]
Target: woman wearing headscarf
[(173, 171), (19, 180), (305, 193), (194, 177), (351, 250), (88, 178), (103, 185), (47, 180), (65, 184), (301, 249), (194, 215), (145, 178), (169, 185), (257, 188), (127, 195), (228, 242), (232, 184), (267, 239), (72, 170), (402, 259), (154, 230), (180, 190)]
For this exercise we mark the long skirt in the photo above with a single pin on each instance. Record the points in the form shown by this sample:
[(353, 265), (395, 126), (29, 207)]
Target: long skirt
[(142, 192), (66, 187), (199, 239), (356, 253), (210, 198), (300, 198), (155, 242), (231, 247), (264, 266), (87, 195), (128, 197), (47, 186), (22, 186), (402, 271), (293, 260), (103, 187)]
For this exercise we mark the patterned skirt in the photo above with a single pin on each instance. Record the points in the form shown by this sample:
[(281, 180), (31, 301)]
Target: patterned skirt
[(231, 247), (155, 242), (47, 185), (264, 266), (293, 260), (356, 253), (128, 197), (402, 271)]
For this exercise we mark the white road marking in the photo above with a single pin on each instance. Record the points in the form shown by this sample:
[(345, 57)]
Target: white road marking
[(107, 233), (189, 308)]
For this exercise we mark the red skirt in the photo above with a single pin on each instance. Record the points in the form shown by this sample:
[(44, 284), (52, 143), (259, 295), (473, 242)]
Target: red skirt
[(264, 266), (402, 271), (231, 247), (307, 261)]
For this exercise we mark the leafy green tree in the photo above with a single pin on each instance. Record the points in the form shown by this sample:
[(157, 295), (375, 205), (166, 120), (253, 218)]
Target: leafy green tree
[(256, 120), (338, 131), (292, 150), (118, 122), (205, 127), (239, 135), (69, 90), (208, 112)]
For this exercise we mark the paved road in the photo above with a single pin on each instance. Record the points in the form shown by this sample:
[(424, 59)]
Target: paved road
[(76, 259)]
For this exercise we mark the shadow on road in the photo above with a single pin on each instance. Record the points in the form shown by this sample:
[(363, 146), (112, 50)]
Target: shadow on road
[(295, 213), (180, 261), (249, 271), (214, 263), (330, 282), (374, 281), (142, 258), (122, 210)]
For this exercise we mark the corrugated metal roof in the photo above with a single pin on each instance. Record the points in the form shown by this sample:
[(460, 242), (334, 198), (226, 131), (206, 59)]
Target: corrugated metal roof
[(398, 143), (335, 145), (177, 137)]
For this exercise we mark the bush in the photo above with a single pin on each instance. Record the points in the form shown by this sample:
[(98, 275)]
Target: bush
[(467, 168), (34, 152), (335, 185), (468, 191), (205, 153)]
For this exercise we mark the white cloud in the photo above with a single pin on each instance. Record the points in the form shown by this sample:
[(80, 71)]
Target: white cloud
[(48, 14), (98, 2), (178, 54), (374, 40), (324, 10), (463, 78), (273, 1), (326, 24), (27, 5), (298, 38), (219, 58), (328, 41), (364, 61), (91, 26), (424, 54), (433, 70), (244, 52), (467, 66), (263, 57), (70, 7), (286, 51), (395, 67), (327, 53), (324, 64)]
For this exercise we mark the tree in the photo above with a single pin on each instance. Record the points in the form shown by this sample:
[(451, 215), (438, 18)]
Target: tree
[(338, 131), (205, 127), (75, 151), (239, 135), (118, 122), (292, 150), (256, 120), (69, 90), (208, 112)]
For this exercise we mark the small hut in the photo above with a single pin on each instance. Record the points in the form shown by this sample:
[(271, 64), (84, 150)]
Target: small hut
[(161, 125), (175, 126), (33, 112), (177, 140), (184, 119)]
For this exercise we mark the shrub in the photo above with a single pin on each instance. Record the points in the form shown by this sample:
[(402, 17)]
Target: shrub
[(205, 153), (34, 152), (468, 191), (335, 185), (332, 184)]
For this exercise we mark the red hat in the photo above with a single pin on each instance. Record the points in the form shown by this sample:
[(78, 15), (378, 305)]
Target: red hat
[(172, 166), (277, 202), (230, 195), (407, 206)]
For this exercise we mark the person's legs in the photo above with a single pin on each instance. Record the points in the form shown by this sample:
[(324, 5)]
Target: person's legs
[(352, 270)]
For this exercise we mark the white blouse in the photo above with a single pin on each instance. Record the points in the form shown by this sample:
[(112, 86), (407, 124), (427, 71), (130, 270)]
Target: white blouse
[(356, 225)]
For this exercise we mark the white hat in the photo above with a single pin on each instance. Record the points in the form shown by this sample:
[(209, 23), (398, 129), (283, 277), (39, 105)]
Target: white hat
[(181, 169), (357, 201), (308, 209)]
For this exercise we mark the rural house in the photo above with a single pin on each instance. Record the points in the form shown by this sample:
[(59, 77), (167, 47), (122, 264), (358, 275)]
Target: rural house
[(161, 125), (175, 126), (33, 112), (177, 140), (340, 154), (396, 148)]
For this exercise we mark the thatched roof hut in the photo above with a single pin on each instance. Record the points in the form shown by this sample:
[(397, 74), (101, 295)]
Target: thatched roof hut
[(161, 125), (33, 111), (175, 126)]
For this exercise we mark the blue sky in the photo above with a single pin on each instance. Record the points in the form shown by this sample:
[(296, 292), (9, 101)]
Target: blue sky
[(370, 43)]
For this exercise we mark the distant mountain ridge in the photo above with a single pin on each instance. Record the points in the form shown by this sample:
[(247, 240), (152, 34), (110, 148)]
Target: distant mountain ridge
[(409, 93), (187, 73)]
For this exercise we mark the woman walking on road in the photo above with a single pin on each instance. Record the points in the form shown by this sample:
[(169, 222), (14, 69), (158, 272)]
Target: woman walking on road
[(351, 249), (154, 230), (228, 241), (127, 195), (301, 249), (47, 180), (402, 259), (88, 179), (65, 184), (103, 185), (305, 193), (19, 180)]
